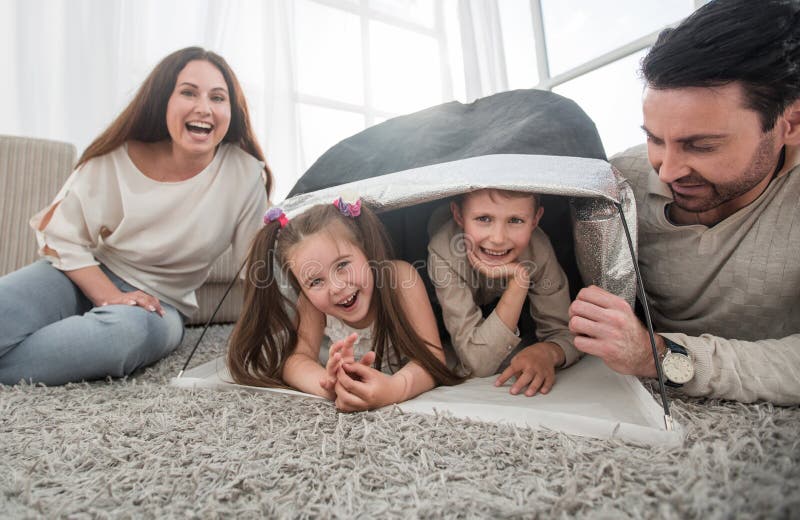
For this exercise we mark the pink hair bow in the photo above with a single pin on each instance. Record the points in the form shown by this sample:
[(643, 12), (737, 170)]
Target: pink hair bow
[(274, 214), (348, 210)]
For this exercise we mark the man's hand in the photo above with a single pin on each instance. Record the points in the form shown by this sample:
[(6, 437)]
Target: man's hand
[(605, 326), (533, 367)]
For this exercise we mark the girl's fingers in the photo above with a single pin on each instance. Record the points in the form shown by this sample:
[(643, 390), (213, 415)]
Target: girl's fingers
[(344, 380), (368, 359), (348, 349), (333, 364), (336, 347), (347, 401), (351, 340)]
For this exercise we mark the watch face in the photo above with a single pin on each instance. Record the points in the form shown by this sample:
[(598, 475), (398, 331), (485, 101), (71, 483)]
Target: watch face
[(678, 368)]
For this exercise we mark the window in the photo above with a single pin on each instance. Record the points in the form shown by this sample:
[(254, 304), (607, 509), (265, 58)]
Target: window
[(360, 62), (612, 97), (589, 29), (590, 52)]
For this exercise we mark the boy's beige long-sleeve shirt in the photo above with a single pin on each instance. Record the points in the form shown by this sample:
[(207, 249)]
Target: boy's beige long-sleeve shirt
[(729, 293), (483, 343)]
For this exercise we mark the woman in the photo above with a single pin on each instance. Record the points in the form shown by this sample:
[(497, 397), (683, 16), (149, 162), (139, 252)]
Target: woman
[(152, 203)]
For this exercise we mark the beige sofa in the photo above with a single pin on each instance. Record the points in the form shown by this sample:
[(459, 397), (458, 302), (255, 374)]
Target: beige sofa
[(31, 173)]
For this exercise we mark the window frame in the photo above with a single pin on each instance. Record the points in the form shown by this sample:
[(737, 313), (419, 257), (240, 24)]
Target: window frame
[(366, 14), (546, 82)]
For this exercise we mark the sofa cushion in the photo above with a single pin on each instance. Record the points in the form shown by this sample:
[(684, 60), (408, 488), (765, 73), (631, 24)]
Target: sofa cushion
[(31, 173)]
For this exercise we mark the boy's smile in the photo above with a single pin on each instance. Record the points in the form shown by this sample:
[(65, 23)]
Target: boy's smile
[(497, 226)]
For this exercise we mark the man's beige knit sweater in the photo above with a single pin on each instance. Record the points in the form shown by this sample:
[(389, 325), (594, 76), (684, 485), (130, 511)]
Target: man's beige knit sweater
[(729, 293)]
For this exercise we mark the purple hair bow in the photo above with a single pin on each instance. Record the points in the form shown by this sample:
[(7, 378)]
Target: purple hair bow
[(348, 210), (276, 213)]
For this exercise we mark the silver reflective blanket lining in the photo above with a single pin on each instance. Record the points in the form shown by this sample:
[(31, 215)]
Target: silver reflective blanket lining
[(601, 247)]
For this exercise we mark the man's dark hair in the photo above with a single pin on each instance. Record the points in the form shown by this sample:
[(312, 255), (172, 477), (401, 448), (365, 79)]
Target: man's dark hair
[(753, 42)]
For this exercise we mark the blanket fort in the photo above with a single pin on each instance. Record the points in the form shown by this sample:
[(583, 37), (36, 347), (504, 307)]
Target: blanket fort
[(589, 398)]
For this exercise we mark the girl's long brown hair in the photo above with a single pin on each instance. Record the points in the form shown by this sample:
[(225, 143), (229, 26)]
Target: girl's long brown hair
[(145, 117), (266, 333)]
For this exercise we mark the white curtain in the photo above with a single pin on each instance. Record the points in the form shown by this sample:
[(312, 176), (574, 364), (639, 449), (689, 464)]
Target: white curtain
[(482, 42), (70, 66)]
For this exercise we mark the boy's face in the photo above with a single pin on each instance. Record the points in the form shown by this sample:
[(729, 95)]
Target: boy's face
[(497, 227)]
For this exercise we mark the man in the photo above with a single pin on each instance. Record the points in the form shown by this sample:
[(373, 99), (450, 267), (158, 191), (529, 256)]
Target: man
[(718, 200)]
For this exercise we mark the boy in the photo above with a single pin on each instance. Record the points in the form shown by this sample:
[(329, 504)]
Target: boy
[(490, 249)]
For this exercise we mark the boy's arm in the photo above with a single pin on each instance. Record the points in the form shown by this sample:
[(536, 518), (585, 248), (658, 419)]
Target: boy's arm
[(481, 344), (549, 299), (302, 369)]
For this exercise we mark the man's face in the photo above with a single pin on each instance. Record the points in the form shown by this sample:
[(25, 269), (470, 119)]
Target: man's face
[(708, 148)]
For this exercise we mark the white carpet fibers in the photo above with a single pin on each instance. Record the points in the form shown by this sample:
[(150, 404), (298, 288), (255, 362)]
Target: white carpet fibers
[(140, 448)]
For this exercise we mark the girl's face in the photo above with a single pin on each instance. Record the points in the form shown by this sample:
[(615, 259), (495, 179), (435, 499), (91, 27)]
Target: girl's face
[(199, 109), (335, 276)]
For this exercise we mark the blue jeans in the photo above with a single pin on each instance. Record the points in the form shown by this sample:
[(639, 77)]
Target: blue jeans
[(51, 333)]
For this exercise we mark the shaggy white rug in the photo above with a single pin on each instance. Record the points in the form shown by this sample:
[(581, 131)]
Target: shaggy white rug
[(140, 448)]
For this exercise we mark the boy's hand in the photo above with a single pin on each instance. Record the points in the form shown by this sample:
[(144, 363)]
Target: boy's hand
[(534, 367), (511, 270)]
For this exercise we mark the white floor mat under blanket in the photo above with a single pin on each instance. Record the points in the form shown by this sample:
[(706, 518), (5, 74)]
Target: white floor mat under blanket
[(588, 399)]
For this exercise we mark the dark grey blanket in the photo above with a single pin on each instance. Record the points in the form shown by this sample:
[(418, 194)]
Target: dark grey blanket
[(535, 122)]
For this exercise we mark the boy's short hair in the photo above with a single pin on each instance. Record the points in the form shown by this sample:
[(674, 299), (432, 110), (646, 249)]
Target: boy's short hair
[(511, 194)]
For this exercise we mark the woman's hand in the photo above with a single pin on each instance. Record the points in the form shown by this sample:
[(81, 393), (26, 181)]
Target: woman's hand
[(139, 298), (96, 286), (361, 387)]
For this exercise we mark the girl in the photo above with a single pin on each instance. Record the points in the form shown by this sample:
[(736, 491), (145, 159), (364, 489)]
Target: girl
[(337, 257)]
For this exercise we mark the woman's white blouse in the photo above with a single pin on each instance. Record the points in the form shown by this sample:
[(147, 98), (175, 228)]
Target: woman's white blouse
[(161, 237)]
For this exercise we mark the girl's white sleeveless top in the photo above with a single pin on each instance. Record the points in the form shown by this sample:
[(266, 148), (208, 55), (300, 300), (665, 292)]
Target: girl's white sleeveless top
[(336, 330)]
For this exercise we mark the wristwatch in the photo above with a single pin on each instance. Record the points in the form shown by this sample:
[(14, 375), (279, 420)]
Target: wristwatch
[(676, 364)]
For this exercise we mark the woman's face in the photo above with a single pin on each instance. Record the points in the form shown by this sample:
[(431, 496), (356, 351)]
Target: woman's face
[(199, 109)]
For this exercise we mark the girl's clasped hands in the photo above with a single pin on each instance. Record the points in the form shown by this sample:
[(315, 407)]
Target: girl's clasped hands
[(355, 385)]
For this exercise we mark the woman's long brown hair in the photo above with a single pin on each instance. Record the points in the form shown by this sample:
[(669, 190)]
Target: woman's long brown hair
[(145, 119), (266, 333)]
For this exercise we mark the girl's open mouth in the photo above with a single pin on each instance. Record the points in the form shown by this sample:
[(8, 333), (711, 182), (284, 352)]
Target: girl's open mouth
[(350, 301)]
